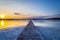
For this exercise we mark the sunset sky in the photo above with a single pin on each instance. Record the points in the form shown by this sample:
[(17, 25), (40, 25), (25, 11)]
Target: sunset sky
[(33, 7), (26, 8)]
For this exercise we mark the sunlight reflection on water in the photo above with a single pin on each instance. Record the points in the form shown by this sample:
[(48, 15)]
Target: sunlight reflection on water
[(2, 23), (12, 23), (15, 23)]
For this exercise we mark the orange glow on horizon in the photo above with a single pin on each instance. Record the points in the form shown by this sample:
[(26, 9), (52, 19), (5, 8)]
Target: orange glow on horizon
[(9, 15)]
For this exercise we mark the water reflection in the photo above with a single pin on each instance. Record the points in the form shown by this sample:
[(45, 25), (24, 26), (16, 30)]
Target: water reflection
[(16, 23), (2, 23), (47, 23), (12, 23)]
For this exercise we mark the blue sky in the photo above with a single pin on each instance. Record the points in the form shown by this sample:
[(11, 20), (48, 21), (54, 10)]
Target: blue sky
[(34, 7)]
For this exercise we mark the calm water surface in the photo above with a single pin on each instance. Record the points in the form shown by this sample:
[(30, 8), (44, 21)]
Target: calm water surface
[(50, 29), (41, 23), (12, 23)]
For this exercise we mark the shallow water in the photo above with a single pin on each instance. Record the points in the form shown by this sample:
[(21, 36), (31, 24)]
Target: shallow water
[(49, 29), (12, 23), (47, 23), (42, 23)]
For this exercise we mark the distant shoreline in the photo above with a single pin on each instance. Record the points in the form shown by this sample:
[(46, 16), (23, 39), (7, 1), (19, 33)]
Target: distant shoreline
[(34, 19)]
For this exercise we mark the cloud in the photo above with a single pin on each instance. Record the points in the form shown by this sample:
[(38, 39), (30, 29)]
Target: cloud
[(19, 6)]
